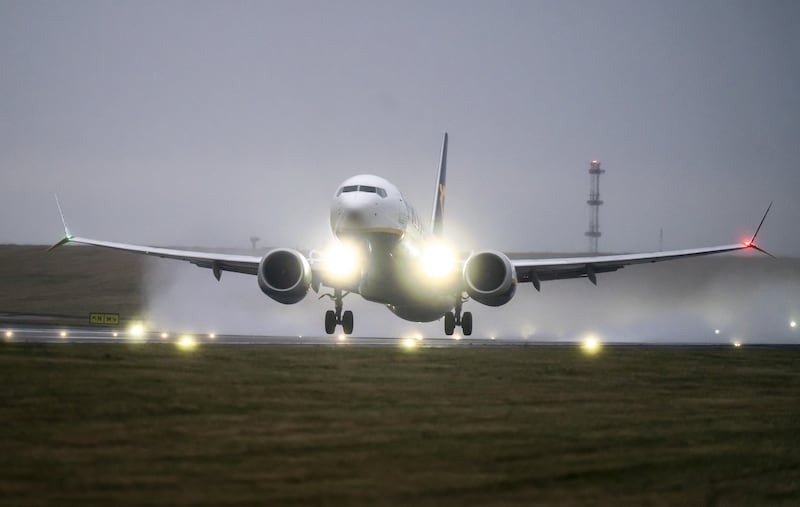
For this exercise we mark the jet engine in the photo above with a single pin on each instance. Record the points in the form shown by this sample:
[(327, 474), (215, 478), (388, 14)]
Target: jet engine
[(284, 275), (489, 277)]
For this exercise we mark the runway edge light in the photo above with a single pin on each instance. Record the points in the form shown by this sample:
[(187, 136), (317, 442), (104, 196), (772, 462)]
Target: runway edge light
[(186, 342), (408, 343), (591, 344)]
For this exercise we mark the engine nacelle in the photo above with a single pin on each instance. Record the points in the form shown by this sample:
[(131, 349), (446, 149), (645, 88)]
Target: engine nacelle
[(489, 277), (284, 275)]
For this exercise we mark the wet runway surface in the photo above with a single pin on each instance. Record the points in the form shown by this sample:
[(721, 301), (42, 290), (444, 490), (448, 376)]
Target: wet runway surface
[(19, 328), (86, 334)]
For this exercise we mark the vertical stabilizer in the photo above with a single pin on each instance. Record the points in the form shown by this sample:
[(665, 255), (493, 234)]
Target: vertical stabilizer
[(437, 220)]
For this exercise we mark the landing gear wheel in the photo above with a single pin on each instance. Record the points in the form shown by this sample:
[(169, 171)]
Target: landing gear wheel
[(466, 323), (330, 321), (347, 322), (449, 323)]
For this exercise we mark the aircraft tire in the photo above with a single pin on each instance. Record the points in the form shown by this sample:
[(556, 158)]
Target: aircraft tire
[(449, 323), (466, 323), (347, 322), (330, 321)]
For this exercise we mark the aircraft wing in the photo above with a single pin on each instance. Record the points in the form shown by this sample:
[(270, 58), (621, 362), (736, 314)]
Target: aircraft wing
[(539, 270), (217, 262)]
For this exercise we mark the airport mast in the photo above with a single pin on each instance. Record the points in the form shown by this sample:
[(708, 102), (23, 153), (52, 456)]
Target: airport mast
[(594, 203)]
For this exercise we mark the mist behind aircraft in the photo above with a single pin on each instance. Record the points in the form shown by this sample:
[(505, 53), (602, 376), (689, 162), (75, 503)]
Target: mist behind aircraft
[(747, 299)]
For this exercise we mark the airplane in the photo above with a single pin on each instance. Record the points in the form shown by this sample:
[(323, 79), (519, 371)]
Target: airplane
[(383, 252)]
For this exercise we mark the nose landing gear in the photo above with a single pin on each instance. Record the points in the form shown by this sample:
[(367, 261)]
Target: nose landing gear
[(337, 316)]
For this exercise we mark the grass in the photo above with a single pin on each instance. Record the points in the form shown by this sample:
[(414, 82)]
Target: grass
[(71, 280), (149, 424)]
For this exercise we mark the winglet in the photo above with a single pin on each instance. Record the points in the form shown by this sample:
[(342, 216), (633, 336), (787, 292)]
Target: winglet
[(752, 242), (67, 234), (63, 221), (437, 220), (761, 223)]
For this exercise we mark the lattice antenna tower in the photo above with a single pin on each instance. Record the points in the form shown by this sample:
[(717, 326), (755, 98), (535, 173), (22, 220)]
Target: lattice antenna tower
[(594, 203)]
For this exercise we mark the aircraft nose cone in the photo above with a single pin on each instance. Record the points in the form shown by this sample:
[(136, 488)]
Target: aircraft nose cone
[(356, 211), (353, 217)]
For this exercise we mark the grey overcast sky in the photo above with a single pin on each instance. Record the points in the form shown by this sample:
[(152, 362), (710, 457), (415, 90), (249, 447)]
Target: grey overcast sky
[(202, 123)]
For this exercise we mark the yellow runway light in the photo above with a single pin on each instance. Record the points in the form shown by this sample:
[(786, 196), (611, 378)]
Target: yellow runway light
[(136, 330), (591, 345), (186, 342)]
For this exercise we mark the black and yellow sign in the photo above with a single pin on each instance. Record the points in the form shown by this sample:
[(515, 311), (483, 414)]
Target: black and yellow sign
[(104, 318)]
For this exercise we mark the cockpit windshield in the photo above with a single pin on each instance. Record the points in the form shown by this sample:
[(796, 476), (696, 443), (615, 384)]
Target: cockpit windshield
[(362, 188)]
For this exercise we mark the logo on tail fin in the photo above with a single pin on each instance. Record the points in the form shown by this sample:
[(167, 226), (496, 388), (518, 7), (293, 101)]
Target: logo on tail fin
[(437, 220)]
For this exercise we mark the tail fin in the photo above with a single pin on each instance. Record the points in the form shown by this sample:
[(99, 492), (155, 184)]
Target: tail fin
[(437, 220)]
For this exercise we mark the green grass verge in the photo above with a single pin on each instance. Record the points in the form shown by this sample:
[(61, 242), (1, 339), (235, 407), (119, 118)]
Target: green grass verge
[(149, 424), (72, 280)]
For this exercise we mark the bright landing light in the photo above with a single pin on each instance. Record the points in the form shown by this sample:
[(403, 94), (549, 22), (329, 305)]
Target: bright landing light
[(62, 334), (342, 259), (793, 324), (437, 261)]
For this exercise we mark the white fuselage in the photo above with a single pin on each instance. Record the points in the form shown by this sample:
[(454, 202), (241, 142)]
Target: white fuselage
[(371, 213)]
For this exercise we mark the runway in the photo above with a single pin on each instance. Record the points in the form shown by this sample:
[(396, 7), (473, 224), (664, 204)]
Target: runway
[(86, 334), (30, 328), (39, 328)]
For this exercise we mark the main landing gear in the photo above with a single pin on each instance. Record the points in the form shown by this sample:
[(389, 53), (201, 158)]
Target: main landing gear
[(456, 318), (337, 316)]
